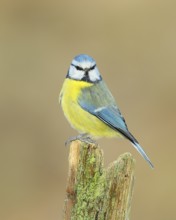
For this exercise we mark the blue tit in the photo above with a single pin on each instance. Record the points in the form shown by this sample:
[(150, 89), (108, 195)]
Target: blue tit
[(89, 105)]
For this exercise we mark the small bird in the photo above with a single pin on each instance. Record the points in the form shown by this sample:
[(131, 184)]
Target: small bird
[(89, 105)]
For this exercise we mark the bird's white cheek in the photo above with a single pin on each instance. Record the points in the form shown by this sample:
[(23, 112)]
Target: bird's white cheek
[(94, 75), (75, 74)]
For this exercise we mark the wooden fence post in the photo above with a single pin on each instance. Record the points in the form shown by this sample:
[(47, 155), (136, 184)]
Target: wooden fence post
[(96, 193)]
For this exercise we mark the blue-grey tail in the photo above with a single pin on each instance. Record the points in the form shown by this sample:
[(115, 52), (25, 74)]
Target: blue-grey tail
[(135, 143), (142, 152)]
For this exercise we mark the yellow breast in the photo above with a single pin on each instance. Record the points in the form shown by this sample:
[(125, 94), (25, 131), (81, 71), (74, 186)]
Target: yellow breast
[(80, 119)]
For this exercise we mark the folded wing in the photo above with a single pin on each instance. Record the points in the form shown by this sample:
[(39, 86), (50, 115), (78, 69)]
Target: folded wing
[(98, 101)]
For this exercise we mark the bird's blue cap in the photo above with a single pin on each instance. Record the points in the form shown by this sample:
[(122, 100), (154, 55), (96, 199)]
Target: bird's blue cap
[(84, 58)]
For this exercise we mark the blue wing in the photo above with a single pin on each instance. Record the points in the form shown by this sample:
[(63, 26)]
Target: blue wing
[(109, 115), (98, 101)]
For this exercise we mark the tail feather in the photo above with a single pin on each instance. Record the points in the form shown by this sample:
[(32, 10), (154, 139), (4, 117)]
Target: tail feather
[(142, 152), (135, 143)]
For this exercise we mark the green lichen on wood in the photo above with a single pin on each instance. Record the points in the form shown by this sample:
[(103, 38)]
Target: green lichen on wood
[(95, 193), (89, 186)]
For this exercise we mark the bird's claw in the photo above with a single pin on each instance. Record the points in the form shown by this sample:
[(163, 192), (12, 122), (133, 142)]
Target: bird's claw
[(82, 137)]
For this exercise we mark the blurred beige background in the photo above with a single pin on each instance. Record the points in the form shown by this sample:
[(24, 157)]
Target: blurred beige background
[(134, 44)]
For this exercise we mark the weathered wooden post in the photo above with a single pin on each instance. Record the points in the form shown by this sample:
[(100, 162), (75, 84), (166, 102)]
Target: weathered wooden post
[(96, 193)]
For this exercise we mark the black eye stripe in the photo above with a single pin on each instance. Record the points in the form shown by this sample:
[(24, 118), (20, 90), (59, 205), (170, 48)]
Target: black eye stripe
[(93, 67), (80, 68), (77, 67)]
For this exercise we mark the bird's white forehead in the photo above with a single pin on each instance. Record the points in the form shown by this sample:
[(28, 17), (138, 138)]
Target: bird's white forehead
[(83, 64)]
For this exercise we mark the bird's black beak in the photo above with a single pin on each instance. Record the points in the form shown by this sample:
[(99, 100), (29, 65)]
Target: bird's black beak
[(86, 71)]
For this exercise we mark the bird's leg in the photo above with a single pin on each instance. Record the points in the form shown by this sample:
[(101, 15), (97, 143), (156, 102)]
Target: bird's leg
[(86, 138), (82, 137)]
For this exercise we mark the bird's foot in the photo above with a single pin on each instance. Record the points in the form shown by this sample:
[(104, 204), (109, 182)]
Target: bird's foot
[(82, 137)]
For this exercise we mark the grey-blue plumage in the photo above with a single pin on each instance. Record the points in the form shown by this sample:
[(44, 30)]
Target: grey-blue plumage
[(98, 101)]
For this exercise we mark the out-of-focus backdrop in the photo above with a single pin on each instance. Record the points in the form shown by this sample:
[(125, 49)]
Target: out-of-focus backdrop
[(134, 44)]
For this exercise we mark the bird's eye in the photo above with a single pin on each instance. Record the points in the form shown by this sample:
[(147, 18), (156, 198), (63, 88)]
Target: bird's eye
[(78, 68), (93, 67)]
